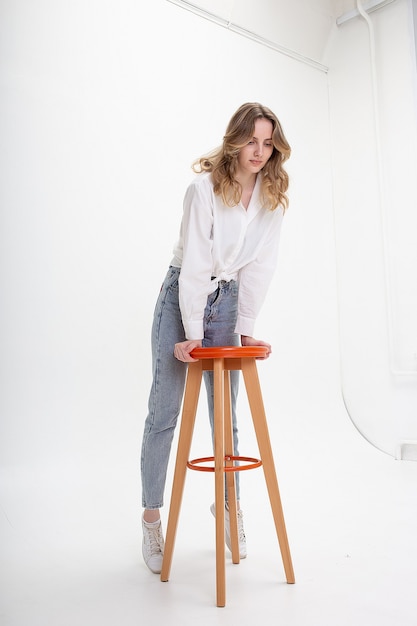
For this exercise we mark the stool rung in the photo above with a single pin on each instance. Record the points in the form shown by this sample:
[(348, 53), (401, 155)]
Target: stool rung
[(252, 464)]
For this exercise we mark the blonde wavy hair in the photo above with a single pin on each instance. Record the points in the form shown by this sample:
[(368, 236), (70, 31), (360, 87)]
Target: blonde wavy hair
[(222, 162)]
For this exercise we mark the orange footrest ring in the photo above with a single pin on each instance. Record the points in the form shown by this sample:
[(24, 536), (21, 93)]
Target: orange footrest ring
[(252, 463)]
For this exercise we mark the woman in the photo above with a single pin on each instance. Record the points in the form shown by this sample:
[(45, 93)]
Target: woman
[(215, 286)]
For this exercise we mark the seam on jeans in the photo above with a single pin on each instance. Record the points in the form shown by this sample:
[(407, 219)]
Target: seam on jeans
[(155, 373)]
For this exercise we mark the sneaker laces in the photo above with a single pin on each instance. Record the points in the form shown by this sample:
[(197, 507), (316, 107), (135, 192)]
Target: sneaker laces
[(154, 540), (240, 529)]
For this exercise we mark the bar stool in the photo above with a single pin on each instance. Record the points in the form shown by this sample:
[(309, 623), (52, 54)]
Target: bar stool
[(221, 360)]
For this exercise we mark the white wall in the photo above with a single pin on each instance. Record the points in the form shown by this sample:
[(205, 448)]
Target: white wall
[(103, 109), (374, 155), (104, 106)]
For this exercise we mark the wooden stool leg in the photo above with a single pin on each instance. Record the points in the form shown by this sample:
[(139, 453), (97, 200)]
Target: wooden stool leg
[(192, 391), (218, 382), (230, 476), (250, 375)]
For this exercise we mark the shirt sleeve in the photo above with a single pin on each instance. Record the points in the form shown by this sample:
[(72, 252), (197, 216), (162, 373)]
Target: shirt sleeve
[(255, 279), (196, 269)]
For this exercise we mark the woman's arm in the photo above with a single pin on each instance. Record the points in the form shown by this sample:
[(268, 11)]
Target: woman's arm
[(250, 341)]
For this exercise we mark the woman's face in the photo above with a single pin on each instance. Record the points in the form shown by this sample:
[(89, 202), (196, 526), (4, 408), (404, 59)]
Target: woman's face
[(254, 156)]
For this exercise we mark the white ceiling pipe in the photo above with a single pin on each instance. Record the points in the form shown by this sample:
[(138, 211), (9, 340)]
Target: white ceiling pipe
[(370, 6), (382, 199), (239, 30)]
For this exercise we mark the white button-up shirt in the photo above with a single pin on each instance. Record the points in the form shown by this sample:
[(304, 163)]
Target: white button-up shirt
[(225, 243)]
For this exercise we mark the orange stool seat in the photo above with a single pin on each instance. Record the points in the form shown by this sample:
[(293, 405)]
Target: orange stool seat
[(231, 352), (221, 360)]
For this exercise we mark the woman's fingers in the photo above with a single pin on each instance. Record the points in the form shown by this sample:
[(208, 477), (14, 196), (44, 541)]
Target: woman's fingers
[(183, 348)]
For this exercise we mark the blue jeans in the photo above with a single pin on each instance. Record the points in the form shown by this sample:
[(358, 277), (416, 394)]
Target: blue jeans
[(169, 375)]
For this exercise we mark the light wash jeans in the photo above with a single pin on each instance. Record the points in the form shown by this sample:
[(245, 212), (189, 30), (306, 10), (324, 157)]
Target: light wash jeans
[(169, 374)]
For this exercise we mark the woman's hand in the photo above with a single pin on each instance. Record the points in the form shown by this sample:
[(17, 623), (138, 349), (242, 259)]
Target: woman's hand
[(183, 348), (250, 341)]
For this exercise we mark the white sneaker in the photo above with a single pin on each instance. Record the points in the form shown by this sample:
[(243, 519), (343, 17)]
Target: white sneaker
[(240, 530), (153, 545)]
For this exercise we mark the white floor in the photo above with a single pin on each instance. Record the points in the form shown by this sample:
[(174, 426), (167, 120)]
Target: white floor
[(71, 542)]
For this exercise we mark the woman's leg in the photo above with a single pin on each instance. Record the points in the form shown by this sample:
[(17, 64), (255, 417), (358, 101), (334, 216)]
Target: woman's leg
[(219, 330), (220, 322), (165, 396)]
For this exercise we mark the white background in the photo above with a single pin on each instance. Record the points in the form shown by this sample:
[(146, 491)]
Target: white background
[(104, 106)]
